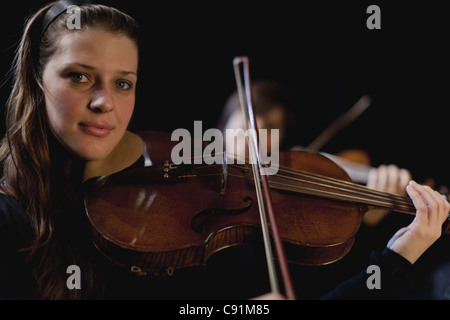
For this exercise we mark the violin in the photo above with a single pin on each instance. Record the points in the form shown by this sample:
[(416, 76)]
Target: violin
[(166, 216)]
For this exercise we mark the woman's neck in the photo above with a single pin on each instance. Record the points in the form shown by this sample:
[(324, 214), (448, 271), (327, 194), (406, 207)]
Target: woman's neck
[(127, 152)]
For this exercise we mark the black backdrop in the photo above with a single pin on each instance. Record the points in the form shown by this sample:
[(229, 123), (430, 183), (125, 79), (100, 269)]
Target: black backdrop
[(322, 51)]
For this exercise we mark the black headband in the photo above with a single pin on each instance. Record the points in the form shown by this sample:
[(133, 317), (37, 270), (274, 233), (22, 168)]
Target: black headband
[(56, 10)]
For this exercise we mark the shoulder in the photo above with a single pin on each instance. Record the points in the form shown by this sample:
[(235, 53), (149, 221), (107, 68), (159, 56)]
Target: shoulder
[(15, 223)]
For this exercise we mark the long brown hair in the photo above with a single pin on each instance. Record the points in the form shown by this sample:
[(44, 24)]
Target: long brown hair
[(35, 172)]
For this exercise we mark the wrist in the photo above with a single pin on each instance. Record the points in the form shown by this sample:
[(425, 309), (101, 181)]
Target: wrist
[(409, 248)]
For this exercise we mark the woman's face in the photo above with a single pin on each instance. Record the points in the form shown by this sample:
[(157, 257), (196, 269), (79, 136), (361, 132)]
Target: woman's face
[(89, 87)]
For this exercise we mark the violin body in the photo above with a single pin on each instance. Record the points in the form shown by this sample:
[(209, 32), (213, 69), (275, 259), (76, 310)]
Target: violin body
[(165, 217)]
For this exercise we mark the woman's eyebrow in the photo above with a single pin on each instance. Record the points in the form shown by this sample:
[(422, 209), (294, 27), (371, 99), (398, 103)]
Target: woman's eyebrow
[(80, 65), (85, 66), (125, 73)]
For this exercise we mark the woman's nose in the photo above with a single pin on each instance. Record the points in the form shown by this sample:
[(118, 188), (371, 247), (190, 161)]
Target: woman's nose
[(102, 100)]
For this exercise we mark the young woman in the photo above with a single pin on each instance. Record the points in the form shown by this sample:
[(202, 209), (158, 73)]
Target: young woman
[(68, 113), (72, 99)]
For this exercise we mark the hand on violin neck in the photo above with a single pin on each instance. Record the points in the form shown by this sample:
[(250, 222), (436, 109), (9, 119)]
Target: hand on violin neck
[(432, 211)]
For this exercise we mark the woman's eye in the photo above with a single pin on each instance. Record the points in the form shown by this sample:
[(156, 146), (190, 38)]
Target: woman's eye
[(123, 85), (78, 77)]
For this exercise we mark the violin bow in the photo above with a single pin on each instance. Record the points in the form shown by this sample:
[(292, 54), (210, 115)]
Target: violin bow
[(341, 122), (261, 183)]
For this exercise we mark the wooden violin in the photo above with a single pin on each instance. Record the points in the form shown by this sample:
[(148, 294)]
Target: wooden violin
[(166, 216)]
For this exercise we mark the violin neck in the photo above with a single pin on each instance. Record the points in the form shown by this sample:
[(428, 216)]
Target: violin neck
[(334, 189)]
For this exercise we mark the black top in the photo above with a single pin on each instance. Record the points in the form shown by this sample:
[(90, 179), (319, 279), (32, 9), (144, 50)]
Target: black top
[(220, 279), (15, 234)]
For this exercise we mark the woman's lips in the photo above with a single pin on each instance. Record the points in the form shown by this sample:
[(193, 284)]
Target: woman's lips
[(96, 129)]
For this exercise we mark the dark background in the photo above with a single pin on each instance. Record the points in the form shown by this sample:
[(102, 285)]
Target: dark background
[(321, 51)]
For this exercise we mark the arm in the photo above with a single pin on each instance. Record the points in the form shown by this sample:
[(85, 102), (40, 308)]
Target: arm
[(403, 250)]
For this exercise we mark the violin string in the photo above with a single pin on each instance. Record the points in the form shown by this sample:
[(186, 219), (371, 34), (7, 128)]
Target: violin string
[(343, 184), (348, 186), (354, 198), (358, 192), (340, 193), (355, 192), (345, 197), (379, 200)]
